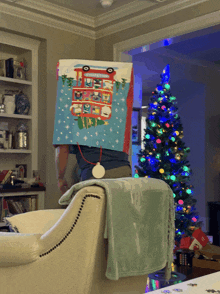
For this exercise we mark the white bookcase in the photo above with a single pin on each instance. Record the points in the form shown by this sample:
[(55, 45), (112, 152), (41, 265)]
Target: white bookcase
[(14, 46)]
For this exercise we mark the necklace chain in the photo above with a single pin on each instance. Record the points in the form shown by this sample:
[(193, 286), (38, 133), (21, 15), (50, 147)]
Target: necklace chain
[(87, 160)]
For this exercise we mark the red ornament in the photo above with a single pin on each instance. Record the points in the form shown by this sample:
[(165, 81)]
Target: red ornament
[(194, 219), (185, 242)]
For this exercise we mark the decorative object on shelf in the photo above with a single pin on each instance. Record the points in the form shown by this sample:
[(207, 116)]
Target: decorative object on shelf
[(4, 135), (22, 170), (2, 105), (22, 104), (13, 68), (36, 175), (2, 108), (21, 136), (10, 140), (2, 139), (9, 102), (19, 69)]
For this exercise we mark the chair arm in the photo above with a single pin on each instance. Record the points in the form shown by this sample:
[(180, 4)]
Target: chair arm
[(18, 249), (34, 222)]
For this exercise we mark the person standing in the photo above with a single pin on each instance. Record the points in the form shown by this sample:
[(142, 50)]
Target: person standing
[(93, 118), (115, 163)]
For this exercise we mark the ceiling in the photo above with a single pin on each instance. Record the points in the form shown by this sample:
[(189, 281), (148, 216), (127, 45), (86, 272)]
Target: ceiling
[(198, 48), (88, 18), (202, 45), (201, 48), (91, 7)]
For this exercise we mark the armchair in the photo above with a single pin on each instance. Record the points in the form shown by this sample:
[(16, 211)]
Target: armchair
[(66, 255)]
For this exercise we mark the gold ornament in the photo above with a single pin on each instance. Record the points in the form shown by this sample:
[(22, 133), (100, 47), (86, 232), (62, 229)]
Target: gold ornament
[(177, 156), (161, 171)]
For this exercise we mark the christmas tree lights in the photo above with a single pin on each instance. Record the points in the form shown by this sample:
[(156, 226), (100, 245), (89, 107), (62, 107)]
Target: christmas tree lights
[(165, 155)]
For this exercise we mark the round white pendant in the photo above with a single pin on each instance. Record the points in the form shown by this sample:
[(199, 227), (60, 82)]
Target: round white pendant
[(98, 171)]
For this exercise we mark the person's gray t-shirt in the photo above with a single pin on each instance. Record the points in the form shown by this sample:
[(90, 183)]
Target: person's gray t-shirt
[(110, 159)]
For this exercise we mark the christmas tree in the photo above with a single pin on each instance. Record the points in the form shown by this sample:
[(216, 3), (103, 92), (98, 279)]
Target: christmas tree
[(164, 155)]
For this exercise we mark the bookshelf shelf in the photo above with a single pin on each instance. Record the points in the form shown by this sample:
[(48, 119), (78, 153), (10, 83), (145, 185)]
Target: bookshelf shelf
[(16, 81), (14, 47), (28, 193), (16, 116), (18, 48), (14, 151)]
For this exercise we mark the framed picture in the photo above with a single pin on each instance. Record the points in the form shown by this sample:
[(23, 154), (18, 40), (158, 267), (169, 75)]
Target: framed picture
[(136, 126), (22, 170)]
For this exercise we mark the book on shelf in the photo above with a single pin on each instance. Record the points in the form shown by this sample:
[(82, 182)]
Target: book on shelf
[(2, 68), (5, 176), (17, 206), (9, 67), (5, 210), (12, 206), (33, 203)]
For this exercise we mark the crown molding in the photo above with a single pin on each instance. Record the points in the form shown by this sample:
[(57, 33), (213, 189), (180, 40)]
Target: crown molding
[(84, 19), (123, 11), (56, 10), (19, 41), (148, 16), (45, 20), (189, 26), (87, 32)]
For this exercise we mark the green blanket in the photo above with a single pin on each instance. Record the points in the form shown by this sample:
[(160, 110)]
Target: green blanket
[(140, 225)]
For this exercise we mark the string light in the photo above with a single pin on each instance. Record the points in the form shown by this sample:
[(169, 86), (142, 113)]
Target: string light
[(164, 139)]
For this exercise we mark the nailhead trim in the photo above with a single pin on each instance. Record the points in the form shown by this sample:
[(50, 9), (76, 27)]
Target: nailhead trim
[(79, 213)]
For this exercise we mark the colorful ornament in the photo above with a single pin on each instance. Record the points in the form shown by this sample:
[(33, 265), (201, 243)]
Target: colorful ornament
[(177, 156)]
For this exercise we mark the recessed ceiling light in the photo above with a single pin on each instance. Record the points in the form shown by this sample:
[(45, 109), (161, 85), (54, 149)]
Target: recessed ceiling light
[(106, 3), (155, 0)]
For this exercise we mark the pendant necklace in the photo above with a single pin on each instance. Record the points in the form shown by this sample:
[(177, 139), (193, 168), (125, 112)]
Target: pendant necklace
[(98, 170)]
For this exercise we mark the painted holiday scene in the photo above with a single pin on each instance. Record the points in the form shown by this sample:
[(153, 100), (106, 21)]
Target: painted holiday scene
[(93, 94)]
